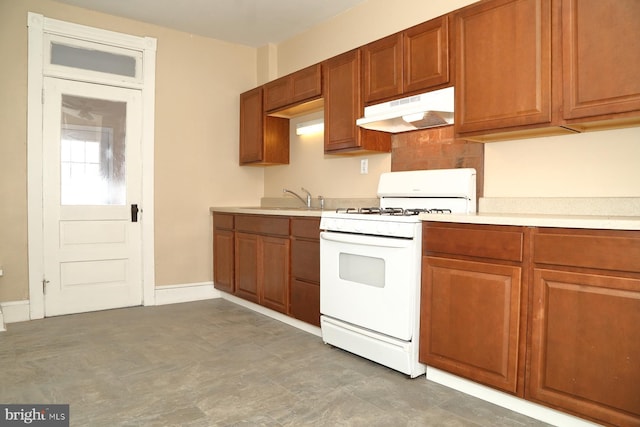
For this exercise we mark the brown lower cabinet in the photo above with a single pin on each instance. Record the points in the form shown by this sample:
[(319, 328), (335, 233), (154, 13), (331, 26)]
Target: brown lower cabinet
[(262, 260), (273, 261), (548, 314), (305, 270), (472, 300), (584, 354), (223, 252)]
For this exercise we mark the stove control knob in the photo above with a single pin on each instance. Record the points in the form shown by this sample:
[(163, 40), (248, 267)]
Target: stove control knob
[(382, 228), (392, 228), (331, 224)]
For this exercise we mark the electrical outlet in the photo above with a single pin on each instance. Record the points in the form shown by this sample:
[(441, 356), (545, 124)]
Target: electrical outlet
[(364, 166)]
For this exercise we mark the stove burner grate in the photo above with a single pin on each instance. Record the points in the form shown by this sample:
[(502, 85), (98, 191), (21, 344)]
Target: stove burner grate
[(390, 211)]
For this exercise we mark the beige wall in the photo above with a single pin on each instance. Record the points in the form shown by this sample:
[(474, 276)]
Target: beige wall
[(586, 165), (196, 145), (594, 164)]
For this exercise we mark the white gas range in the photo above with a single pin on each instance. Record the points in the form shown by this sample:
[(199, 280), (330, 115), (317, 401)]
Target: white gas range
[(370, 265)]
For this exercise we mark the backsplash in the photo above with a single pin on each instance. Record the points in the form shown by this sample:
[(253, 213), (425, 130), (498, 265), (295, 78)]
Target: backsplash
[(437, 148), (600, 206)]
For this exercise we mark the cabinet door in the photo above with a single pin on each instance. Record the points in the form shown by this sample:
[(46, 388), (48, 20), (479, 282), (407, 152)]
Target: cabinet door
[(585, 345), (264, 139), (342, 102), (303, 85), (503, 50), (246, 266), (274, 265), (223, 265), (469, 320), (251, 125), (343, 105), (601, 50), (277, 93), (426, 55), (382, 68), (306, 84)]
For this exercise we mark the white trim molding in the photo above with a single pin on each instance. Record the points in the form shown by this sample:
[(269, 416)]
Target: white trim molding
[(172, 294), (15, 311), (38, 27), (273, 314), (505, 400)]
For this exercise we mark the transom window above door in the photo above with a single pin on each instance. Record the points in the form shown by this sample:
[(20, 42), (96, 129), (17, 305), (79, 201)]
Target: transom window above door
[(65, 55)]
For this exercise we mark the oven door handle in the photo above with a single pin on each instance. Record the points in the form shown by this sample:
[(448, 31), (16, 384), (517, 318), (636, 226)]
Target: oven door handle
[(360, 239)]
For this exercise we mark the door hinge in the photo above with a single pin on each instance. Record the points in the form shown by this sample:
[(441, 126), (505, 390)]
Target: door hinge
[(42, 96), (44, 286)]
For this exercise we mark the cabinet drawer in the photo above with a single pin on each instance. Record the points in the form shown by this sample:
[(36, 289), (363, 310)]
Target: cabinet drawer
[(606, 250), (305, 301), (308, 228), (277, 226), (305, 260), (221, 220), (494, 242)]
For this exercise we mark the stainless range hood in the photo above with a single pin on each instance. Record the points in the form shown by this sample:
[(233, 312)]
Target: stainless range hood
[(422, 111)]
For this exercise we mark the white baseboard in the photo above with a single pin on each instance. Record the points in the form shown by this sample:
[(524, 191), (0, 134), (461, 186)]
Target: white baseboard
[(172, 294), (505, 400), (15, 311), (273, 314), (18, 311)]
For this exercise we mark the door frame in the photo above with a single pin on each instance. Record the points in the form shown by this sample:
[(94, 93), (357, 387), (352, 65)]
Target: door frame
[(38, 27)]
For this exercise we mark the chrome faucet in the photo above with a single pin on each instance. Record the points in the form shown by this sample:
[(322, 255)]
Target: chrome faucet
[(306, 202)]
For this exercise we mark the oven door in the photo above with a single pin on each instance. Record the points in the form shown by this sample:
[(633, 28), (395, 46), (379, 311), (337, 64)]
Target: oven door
[(370, 281)]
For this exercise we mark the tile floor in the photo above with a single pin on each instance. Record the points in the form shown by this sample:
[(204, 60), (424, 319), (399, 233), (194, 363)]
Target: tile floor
[(214, 363)]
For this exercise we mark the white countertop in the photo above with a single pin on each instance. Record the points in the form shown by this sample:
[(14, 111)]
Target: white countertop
[(257, 210), (540, 220), (615, 213)]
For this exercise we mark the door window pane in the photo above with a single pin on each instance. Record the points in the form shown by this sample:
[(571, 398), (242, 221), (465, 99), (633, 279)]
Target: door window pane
[(92, 152), (92, 59)]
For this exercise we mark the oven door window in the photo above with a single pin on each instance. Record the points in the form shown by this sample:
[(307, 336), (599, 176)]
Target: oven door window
[(362, 269)]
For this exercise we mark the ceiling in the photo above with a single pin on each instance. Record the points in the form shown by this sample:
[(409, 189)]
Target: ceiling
[(248, 22)]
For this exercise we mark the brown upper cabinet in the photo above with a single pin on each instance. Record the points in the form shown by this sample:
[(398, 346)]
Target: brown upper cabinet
[(601, 59), (264, 140), (546, 67), (301, 86), (504, 68), (343, 104), (411, 61)]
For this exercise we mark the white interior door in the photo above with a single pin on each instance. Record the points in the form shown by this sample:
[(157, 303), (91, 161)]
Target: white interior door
[(92, 178)]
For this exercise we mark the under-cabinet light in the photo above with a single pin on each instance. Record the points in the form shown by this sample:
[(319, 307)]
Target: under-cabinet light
[(312, 126), (414, 117)]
